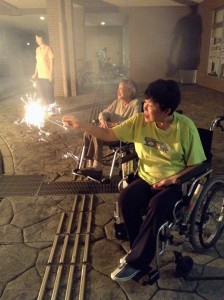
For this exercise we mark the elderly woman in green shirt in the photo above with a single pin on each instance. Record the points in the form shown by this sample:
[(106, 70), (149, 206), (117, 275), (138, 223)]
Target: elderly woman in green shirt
[(168, 145)]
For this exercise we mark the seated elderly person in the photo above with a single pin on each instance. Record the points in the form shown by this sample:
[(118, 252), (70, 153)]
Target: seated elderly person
[(168, 145), (125, 106)]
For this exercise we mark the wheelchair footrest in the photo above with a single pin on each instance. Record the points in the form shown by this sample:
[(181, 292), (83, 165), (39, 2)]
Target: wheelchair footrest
[(120, 231), (88, 174), (148, 276)]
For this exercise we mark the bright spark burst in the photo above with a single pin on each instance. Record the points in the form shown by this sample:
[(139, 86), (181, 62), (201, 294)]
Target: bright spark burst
[(36, 115)]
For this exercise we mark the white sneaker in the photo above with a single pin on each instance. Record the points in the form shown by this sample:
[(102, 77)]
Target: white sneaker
[(97, 165), (89, 163), (123, 258), (124, 272)]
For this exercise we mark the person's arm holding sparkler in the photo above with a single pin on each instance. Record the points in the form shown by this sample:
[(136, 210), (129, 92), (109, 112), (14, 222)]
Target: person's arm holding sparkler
[(105, 134), (34, 76), (51, 66)]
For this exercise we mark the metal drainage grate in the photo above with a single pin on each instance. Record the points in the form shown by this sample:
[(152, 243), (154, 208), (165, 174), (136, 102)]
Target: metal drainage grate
[(31, 185), (20, 185), (75, 187)]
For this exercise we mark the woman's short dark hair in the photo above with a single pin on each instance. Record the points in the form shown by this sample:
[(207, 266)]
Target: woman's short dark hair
[(164, 92), (42, 35)]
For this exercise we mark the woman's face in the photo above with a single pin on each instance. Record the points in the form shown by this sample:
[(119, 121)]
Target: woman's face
[(153, 112), (123, 92), (39, 40)]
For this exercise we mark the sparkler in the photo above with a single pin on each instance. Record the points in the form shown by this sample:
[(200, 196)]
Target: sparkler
[(36, 115)]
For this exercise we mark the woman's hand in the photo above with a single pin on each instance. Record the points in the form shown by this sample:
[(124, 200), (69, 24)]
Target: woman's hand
[(103, 123), (105, 134), (71, 121), (164, 183)]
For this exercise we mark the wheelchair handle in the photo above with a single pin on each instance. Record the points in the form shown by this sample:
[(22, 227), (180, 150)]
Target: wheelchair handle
[(128, 157), (217, 123)]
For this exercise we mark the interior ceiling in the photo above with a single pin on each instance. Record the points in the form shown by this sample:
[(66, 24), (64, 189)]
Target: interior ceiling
[(25, 14), (123, 3)]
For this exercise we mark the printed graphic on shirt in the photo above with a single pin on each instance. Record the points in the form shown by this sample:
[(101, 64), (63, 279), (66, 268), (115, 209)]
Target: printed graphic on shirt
[(155, 144)]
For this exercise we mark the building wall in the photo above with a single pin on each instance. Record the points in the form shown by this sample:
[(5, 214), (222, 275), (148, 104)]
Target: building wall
[(150, 37), (53, 30), (17, 60), (142, 46), (79, 31), (71, 51), (61, 38), (17, 57), (206, 9), (98, 38), (150, 33)]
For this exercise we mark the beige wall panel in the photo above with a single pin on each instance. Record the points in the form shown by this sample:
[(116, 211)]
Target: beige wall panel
[(206, 10)]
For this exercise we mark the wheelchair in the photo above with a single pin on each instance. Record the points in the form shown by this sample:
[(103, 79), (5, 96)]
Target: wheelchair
[(113, 156), (198, 216), (116, 156)]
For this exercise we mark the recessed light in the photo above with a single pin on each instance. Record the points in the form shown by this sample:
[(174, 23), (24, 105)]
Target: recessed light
[(103, 23), (42, 17)]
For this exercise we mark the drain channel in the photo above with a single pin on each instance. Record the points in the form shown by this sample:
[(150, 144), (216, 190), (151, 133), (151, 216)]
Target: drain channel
[(33, 185), (70, 253), (20, 185)]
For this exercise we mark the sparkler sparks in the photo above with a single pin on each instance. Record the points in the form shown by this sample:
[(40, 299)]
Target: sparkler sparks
[(36, 115), (35, 118)]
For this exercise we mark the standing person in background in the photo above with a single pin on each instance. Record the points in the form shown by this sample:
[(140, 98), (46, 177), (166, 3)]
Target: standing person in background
[(44, 70)]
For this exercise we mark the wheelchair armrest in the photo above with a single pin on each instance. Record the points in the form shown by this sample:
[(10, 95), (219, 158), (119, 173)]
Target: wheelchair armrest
[(95, 121), (196, 172), (129, 157)]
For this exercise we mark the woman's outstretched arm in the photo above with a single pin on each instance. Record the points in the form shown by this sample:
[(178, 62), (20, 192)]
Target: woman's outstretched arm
[(105, 134)]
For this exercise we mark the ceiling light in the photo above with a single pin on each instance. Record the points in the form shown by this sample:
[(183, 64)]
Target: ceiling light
[(103, 23), (42, 18)]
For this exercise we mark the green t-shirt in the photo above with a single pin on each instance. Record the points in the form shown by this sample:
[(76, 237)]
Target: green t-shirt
[(162, 153)]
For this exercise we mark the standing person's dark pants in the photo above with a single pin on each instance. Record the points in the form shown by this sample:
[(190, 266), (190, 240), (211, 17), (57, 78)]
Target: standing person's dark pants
[(47, 90), (158, 205)]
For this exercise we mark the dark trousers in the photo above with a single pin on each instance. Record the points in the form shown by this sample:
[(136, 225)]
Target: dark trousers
[(46, 90), (158, 205)]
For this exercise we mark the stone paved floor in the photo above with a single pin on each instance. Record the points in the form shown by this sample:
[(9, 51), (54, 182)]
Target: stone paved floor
[(28, 224)]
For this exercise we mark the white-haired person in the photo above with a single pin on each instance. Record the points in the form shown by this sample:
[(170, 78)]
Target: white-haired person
[(125, 106)]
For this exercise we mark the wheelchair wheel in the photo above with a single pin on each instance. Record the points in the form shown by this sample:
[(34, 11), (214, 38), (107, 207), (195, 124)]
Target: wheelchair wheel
[(207, 218)]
